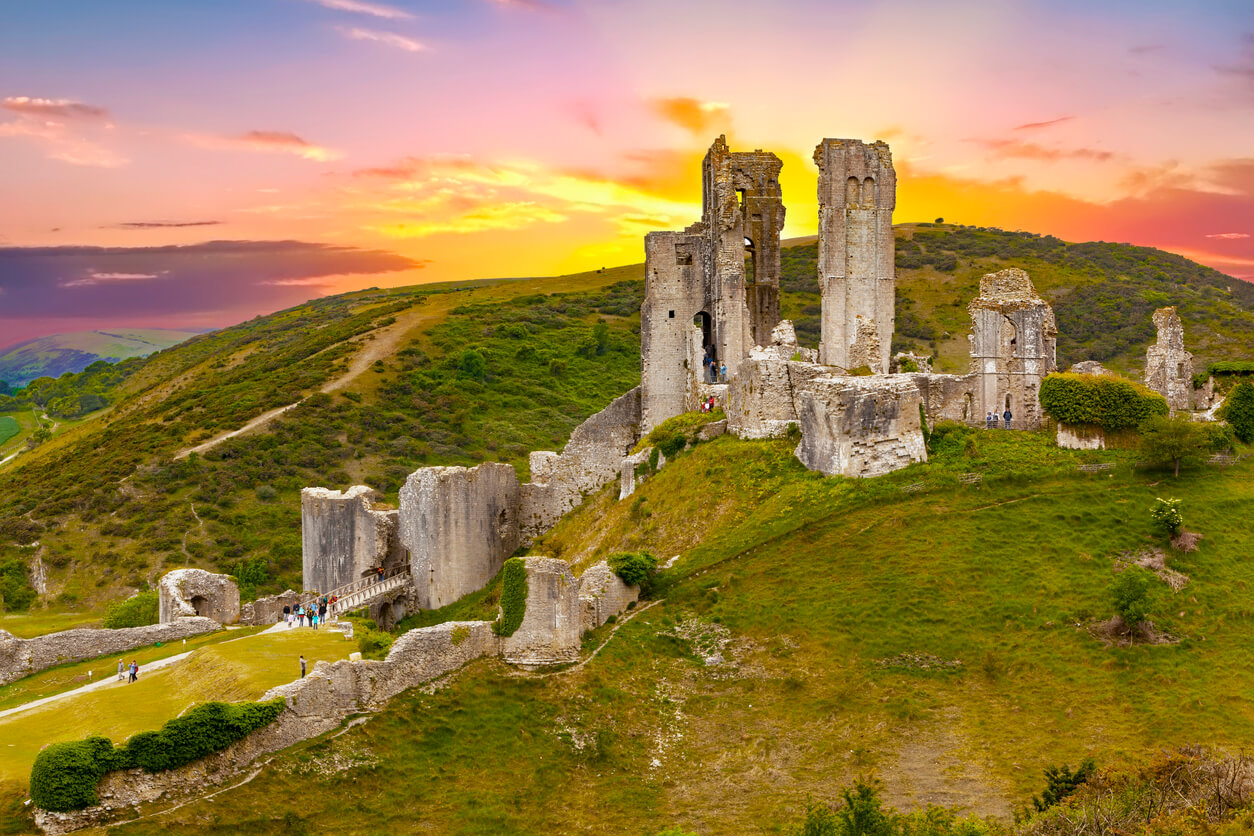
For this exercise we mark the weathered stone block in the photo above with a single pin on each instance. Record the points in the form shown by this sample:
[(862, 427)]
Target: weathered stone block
[(602, 594), (552, 624), (860, 426), (1168, 367), (343, 537), (186, 593)]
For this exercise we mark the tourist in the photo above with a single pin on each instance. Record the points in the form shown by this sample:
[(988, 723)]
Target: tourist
[(1006, 417), (134, 671), (380, 571), (988, 421), (302, 667), (994, 420), (313, 619), (722, 373), (121, 670)]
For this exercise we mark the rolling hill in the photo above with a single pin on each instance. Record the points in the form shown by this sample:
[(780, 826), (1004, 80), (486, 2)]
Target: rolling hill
[(56, 354)]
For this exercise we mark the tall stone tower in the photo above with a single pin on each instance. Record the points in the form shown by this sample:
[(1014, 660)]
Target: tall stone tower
[(857, 195), (1168, 367), (1013, 346)]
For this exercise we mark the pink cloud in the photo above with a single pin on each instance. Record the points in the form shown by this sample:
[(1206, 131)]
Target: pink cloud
[(358, 7), (53, 108)]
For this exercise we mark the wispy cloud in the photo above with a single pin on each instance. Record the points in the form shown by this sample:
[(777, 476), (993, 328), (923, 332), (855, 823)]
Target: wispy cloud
[(1036, 126), (161, 224), (693, 114), (63, 144), (526, 5), (389, 38), (94, 277), (53, 108), (495, 216), (1229, 236), (1013, 148), (282, 142), (358, 7)]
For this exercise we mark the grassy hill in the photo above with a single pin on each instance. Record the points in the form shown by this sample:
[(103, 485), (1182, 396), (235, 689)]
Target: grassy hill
[(810, 631), (56, 354), (384, 384)]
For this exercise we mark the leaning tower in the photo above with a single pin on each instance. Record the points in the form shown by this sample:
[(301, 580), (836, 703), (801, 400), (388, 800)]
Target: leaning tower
[(857, 195)]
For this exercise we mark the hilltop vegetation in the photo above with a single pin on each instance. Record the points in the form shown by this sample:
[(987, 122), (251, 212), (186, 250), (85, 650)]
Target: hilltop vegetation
[(466, 373), (58, 354)]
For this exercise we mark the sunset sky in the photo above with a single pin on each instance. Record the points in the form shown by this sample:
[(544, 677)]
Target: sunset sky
[(191, 164)]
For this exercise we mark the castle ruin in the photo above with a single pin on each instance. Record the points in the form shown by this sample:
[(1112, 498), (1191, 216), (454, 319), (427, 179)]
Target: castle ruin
[(1168, 367)]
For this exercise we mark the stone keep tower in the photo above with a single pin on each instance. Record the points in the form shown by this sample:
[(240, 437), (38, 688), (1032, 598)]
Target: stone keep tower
[(1013, 342), (713, 289), (857, 195), (1168, 367)]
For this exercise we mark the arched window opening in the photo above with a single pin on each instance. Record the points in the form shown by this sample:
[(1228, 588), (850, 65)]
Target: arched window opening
[(868, 192), (750, 253), (852, 192)]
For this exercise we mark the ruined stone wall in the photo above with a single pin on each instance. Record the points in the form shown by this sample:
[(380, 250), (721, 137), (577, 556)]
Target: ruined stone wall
[(1012, 346), (949, 397), (269, 609), (552, 624), (674, 294), (591, 459), (1080, 438), (857, 193), (459, 524), (762, 395), (602, 594), (23, 657), (860, 426), (342, 537), (185, 593), (1168, 367)]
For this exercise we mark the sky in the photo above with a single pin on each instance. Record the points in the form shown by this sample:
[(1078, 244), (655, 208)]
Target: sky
[(193, 164)]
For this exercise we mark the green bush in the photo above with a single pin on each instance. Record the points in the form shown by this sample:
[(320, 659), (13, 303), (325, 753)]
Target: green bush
[(1106, 401), (137, 611), (1238, 411), (1061, 782), (513, 597), (635, 568), (65, 775), (373, 644), (1231, 367), (16, 593), (472, 364), (1131, 596), (1172, 441), (1166, 515)]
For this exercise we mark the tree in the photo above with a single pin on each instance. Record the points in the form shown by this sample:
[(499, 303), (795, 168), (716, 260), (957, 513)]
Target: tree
[(473, 365), (1130, 593), (1171, 441), (1238, 411)]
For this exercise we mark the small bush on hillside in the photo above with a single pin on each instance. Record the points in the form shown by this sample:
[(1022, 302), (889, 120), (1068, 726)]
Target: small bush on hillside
[(1061, 782), (472, 364), (635, 568), (863, 814), (1130, 593), (16, 593), (1166, 515), (1106, 401), (137, 611), (1217, 437), (950, 438), (513, 597), (1238, 411), (373, 644)]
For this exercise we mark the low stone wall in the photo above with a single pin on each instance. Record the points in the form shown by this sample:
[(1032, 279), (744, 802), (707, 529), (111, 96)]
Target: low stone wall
[(268, 610), (23, 657), (1080, 438), (603, 594)]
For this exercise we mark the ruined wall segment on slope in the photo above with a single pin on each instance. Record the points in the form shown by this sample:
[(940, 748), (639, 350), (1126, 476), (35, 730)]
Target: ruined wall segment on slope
[(458, 524), (186, 593), (1013, 346), (857, 194), (343, 537), (860, 426), (1168, 366), (552, 623)]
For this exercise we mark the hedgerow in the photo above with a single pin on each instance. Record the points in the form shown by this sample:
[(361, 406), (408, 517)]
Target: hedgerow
[(513, 597), (1106, 401), (65, 775)]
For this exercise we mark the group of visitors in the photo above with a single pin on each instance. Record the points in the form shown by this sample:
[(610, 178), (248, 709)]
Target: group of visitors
[(129, 672), (707, 405), (990, 420), (715, 372), (311, 614)]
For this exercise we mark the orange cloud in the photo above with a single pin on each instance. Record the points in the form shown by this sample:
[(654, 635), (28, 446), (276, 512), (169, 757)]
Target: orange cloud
[(267, 141), (694, 115), (1011, 148), (53, 108)]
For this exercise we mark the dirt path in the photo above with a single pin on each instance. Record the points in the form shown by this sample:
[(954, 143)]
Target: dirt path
[(376, 345)]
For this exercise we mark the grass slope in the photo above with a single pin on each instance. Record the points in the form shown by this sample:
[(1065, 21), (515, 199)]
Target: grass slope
[(56, 354), (821, 596)]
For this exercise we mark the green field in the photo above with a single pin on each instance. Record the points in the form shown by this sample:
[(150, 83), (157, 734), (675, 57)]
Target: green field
[(9, 428)]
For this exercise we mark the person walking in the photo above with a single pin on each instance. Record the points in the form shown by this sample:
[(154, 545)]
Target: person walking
[(121, 670), (988, 421), (134, 671), (1006, 418), (302, 667), (380, 571)]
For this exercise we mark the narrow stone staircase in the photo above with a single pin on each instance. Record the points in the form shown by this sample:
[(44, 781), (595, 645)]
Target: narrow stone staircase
[(365, 591)]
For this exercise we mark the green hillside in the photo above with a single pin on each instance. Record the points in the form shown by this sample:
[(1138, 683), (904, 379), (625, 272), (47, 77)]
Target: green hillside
[(111, 507), (813, 630), (56, 354)]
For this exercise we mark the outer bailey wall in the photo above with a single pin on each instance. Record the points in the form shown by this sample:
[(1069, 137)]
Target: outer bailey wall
[(459, 524), (342, 538), (23, 657)]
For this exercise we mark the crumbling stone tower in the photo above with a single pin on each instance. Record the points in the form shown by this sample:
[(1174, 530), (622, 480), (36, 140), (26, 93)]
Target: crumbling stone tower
[(857, 195), (1168, 367), (701, 299), (1013, 346)]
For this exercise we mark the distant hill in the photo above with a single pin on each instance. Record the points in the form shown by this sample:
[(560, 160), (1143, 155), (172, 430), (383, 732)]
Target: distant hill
[(57, 354)]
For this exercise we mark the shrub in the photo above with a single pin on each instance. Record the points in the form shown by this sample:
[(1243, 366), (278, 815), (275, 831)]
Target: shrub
[(1238, 411), (1061, 782), (1130, 594), (513, 597), (266, 493), (65, 775), (635, 568), (374, 644), (137, 611), (1217, 437), (472, 364), (1106, 401), (16, 593), (1166, 515)]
